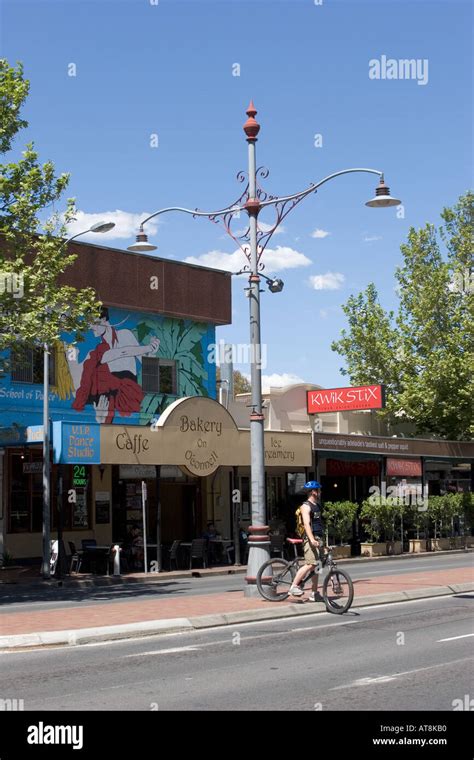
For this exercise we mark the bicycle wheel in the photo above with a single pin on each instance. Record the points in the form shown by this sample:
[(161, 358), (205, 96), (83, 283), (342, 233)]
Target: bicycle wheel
[(338, 591), (274, 579)]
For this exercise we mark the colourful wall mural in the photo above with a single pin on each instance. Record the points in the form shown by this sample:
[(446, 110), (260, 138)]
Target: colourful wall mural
[(104, 378)]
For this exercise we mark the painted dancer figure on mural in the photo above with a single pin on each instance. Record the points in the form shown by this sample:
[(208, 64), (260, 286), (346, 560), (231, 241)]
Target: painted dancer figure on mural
[(107, 379)]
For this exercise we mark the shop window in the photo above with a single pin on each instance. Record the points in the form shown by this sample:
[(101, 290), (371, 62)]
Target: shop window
[(295, 482), (25, 496), (76, 497), (159, 376), (28, 364), (26, 491)]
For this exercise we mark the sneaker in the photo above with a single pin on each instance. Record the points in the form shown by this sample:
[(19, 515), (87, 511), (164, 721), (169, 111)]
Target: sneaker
[(296, 591), (315, 597)]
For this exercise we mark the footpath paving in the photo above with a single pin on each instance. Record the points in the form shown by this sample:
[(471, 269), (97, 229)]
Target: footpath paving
[(114, 620)]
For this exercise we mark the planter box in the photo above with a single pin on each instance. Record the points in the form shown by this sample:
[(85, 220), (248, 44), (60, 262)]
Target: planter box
[(14, 573), (341, 552), (394, 547), (373, 550), (417, 545), (438, 544)]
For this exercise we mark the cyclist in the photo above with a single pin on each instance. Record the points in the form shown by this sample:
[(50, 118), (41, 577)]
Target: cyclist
[(312, 541)]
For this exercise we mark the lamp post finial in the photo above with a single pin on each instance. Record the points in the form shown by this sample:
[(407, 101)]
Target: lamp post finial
[(251, 126)]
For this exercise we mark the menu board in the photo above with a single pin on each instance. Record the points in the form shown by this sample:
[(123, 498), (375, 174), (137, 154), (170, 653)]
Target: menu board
[(102, 507), (79, 515)]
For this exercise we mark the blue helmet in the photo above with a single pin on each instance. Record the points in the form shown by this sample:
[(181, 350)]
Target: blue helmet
[(311, 485)]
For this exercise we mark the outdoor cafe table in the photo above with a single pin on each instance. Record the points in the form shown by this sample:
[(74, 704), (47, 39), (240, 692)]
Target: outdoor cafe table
[(222, 544), (94, 553)]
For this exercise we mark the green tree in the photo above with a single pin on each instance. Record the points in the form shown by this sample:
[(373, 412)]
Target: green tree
[(241, 384), (424, 354), (34, 307)]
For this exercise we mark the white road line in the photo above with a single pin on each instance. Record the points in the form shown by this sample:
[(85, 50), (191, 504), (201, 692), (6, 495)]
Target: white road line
[(173, 650), (455, 638), (369, 681), (246, 639)]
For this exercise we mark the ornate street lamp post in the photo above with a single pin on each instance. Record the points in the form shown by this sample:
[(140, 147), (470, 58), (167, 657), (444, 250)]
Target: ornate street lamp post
[(253, 242)]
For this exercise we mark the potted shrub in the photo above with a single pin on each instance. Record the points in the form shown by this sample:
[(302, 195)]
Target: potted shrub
[(418, 520), (442, 510), (9, 572), (370, 516), (467, 504), (381, 515), (339, 516)]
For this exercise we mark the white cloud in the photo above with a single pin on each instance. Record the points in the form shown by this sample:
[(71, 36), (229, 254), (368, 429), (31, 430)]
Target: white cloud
[(275, 259), (319, 233), (126, 225), (230, 262), (278, 381), (328, 281), (283, 257), (323, 313), (267, 227), (372, 238)]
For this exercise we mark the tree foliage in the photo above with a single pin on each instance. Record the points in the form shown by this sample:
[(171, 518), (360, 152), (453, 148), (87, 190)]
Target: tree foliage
[(339, 516), (34, 307), (241, 384), (424, 353)]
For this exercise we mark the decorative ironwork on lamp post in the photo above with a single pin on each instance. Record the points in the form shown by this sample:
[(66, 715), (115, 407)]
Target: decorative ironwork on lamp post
[(252, 243)]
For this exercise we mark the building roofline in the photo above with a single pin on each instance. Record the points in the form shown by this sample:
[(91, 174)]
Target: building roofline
[(147, 256)]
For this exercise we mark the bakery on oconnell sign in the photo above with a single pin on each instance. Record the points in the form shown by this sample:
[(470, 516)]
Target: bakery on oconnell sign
[(345, 399)]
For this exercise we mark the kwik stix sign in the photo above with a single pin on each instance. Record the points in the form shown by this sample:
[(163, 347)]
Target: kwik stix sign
[(345, 399)]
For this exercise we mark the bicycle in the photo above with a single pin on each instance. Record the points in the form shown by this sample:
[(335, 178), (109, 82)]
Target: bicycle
[(275, 577)]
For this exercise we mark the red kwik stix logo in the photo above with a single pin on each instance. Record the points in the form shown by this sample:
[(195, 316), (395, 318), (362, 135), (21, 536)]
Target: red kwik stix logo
[(345, 399)]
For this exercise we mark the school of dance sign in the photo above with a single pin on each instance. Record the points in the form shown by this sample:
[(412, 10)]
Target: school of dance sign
[(198, 434)]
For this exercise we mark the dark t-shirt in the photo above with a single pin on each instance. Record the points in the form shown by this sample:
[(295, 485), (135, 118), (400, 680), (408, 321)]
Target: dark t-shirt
[(317, 525)]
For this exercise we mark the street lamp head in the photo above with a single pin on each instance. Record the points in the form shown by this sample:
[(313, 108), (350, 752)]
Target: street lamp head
[(275, 286), (102, 227), (142, 245), (382, 197)]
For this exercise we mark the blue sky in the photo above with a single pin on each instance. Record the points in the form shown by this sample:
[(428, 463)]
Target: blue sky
[(167, 68)]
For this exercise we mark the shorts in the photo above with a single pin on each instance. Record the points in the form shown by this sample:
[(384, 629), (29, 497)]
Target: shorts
[(311, 554)]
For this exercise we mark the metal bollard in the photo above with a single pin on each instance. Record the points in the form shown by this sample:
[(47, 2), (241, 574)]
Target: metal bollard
[(117, 551)]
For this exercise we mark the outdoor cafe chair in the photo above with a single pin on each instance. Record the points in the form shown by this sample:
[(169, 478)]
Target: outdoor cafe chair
[(174, 554), (198, 551), (76, 558)]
